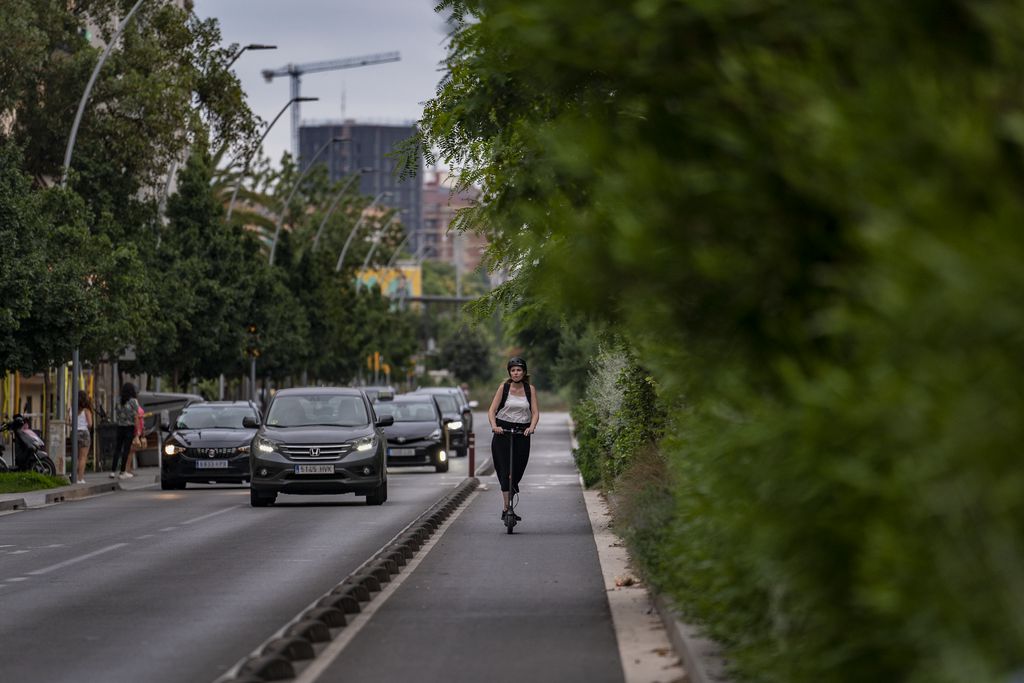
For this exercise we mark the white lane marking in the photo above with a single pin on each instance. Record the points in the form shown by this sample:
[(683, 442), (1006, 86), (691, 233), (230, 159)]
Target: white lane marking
[(16, 552), (212, 514), (13, 579), (139, 538), (76, 560), (7, 545), (319, 665), (169, 528)]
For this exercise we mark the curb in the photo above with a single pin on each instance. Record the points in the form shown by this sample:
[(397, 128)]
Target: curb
[(273, 659), (702, 657), (15, 504), (78, 491)]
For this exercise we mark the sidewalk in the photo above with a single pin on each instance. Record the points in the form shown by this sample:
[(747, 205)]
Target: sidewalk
[(95, 484)]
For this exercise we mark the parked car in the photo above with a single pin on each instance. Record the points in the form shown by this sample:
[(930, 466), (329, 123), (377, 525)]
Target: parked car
[(208, 442), (466, 406), (417, 436), (451, 409), (319, 440)]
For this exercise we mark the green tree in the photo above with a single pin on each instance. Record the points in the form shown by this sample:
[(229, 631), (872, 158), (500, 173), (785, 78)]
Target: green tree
[(468, 355)]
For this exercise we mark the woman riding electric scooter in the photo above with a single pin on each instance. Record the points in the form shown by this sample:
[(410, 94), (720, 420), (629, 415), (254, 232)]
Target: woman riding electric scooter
[(513, 416)]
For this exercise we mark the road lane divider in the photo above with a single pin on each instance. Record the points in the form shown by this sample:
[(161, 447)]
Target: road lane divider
[(324, 624), (75, 560)]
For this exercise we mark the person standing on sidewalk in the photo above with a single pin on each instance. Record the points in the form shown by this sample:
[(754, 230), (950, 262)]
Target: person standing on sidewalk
[(83, 425), (514, 406), (125, 413)]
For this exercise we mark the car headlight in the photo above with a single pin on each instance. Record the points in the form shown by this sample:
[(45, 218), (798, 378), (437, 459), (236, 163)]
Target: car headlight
[(365, 444), (436, 434), (265, 445), (455, 424), (173, 449)]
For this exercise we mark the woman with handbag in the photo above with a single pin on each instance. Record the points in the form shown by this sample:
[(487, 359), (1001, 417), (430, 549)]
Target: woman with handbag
[(126, 413)]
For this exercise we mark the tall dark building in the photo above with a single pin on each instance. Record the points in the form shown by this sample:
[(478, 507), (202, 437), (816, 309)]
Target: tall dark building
[(372, 146)]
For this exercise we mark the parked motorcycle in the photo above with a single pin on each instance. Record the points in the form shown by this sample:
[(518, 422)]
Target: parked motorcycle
[(29, 455)]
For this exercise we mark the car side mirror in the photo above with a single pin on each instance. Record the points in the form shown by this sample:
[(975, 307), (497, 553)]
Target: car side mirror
[(385, 421), (474, 404), (250, 423)]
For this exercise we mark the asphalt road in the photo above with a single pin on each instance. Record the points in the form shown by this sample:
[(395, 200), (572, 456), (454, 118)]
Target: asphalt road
[(177, 586)]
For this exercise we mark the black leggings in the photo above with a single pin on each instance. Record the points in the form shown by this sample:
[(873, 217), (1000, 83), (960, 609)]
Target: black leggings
[(123, 446), (520, 454)]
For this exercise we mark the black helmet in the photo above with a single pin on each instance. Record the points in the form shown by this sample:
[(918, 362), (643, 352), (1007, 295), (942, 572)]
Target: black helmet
[(516, 362)]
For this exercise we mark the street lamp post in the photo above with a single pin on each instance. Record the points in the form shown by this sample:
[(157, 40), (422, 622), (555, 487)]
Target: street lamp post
[(334, 203), (76, 368), (355, 229), (302, 176), (245, 168)]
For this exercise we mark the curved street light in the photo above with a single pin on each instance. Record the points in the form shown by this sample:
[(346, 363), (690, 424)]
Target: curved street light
[(334, 203), (355, 229), (245, 168), (302, 176), (250, 46), (76, 366), (378, 234)]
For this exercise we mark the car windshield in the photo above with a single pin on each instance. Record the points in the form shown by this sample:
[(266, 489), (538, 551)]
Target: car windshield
[(407, 411), (447, 403), (317, 409), (214, 417)]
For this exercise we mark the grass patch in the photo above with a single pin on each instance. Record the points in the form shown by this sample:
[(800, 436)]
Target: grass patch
[(19, 482)]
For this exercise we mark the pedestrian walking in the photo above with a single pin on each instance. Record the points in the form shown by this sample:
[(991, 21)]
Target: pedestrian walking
[(138, 442), (514, 407), (126, 413), (84, 426)]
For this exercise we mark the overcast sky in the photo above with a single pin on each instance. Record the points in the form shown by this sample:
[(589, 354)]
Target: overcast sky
[(318, 30)]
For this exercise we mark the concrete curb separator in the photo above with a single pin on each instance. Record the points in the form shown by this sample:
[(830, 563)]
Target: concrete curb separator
[(80, 491), (701, 656), (16, 504), (303, 637)]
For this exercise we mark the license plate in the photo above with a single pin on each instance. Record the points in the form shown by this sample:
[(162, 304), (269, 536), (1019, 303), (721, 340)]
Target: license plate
[(314, 469), (211, 464), (401, 451)]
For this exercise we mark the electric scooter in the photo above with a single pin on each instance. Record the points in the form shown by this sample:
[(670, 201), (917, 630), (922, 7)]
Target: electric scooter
[(510, 516)]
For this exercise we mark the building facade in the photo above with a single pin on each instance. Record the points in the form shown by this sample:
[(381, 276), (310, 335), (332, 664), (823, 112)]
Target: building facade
[(372, 146), (440, 204)]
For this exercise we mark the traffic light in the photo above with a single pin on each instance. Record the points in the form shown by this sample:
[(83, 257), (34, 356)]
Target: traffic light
[(252, 341)]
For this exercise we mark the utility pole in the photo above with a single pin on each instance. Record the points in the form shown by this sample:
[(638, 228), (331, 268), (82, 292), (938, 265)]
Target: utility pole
[(296, 71)]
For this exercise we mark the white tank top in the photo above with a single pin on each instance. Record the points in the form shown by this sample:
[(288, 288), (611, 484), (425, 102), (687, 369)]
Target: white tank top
[(83, 424), (516, 409)]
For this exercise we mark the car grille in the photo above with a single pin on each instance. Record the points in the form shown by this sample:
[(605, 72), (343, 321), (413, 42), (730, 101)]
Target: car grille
[(210, 452), (323, 452)]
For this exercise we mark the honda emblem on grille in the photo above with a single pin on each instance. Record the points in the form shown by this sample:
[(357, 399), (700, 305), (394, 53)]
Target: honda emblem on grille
[(314, 452)]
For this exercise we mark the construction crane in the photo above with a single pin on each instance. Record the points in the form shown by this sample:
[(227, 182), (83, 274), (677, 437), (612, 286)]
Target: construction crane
[(296, 71)]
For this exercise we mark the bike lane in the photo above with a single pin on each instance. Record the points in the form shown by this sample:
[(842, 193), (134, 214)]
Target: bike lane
[(485, 605)]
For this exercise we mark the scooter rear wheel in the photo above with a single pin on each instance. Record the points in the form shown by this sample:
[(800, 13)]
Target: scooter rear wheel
[(43, 465)]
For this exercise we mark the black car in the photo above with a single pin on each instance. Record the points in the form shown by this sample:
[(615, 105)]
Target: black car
[(465, 405), (381, 393), (417, 436), (209, 443), (451, 410), (319, 441)]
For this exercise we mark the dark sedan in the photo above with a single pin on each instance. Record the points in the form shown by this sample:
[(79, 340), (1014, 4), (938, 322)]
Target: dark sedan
[(209, 443), (451, 410), (319, 441), (417, 436)]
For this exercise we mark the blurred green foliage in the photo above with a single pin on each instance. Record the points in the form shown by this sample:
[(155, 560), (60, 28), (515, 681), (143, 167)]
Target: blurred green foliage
[(805, 222)]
